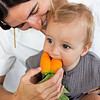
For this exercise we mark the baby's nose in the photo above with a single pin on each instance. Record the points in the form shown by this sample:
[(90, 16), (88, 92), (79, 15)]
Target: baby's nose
[(55, 53)]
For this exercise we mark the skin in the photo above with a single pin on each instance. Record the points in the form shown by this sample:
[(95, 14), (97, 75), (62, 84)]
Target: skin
[(91, 97), (66, 42)]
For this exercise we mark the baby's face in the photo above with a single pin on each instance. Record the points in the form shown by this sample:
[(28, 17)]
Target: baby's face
[(65, 41)]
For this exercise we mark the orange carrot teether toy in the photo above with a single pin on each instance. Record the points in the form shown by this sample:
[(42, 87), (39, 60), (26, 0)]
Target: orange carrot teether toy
[(49, 66)]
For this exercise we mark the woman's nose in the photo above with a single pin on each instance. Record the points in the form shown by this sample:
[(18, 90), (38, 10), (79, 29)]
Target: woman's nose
[(35, 22)]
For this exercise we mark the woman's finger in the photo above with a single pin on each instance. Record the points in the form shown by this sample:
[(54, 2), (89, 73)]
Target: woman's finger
[(56, 97), (31, 72), (55, 92), (57, 78)]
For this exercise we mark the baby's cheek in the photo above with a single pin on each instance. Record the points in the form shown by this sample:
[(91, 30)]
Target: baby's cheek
[(67, 61), (46, 47)]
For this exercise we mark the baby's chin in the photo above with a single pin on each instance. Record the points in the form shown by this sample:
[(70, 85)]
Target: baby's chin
[(68, 68), (64, 67)]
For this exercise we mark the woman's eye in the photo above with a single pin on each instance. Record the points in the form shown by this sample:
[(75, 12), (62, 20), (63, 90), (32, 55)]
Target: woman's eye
[(35, 11), (65, 46), (49, 40)]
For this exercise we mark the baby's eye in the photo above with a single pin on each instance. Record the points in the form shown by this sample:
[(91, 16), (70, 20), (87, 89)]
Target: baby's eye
[(65, 46), (49, 40)]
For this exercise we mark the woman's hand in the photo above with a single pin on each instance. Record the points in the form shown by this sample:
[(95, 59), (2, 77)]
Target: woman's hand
[(48, 90)]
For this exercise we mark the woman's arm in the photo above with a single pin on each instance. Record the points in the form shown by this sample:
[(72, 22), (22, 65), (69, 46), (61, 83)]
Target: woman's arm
[(4, 95)]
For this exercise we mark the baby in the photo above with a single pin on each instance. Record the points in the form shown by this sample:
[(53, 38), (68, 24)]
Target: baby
[(69, 36)]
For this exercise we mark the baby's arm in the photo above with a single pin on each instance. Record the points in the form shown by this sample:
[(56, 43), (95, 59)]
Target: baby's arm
[(93, 94)]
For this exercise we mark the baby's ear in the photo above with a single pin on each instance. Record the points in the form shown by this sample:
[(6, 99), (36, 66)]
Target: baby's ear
[(86, 49)]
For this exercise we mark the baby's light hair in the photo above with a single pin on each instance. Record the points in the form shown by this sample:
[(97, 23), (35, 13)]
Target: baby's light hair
[(71, 11)]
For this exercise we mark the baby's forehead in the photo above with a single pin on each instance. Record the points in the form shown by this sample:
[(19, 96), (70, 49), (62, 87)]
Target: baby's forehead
[(77, 26), (77, 21)]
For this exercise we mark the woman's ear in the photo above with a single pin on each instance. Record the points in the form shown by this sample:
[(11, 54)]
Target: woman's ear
[(86, 49)]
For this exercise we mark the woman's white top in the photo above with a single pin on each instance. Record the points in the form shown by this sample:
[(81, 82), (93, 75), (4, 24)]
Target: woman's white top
[(12, 60)]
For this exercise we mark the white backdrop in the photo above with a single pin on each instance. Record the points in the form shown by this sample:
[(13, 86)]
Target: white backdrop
[(94, 5)]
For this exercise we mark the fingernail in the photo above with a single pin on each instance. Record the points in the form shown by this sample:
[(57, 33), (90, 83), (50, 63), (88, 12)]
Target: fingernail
[(39, 68), (60, 70)]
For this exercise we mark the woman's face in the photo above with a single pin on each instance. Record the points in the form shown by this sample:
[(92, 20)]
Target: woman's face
[(29, 14)]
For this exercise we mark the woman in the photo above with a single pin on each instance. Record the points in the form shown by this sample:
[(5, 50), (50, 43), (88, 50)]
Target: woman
[(24, 14), (34, 13)]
